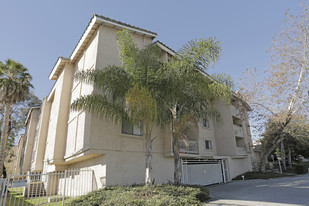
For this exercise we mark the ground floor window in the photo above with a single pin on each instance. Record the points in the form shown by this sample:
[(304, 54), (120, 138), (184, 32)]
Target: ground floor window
[(208, 144)]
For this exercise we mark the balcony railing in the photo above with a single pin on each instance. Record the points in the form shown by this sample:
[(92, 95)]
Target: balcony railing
[(192, 147), (235, 112), (238, 131), (241, 151)]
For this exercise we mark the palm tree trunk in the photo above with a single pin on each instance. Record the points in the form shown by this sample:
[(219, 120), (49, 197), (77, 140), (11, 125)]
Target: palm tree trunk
[(177, 171), (4, 134), (148, 160), (175, 145)]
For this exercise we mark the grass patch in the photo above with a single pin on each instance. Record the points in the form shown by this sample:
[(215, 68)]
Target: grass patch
[(261, 175), (165, 194), (15, 197)]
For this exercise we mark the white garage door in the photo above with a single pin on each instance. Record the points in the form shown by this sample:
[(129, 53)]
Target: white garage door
[(202, 172)]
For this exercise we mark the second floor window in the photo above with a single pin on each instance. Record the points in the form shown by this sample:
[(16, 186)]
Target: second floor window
[(133, 129), (206, 123)]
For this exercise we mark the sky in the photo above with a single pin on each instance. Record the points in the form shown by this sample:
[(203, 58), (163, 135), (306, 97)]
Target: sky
[(37, 32)]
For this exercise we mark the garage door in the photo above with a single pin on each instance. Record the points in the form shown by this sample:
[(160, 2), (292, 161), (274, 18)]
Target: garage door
[(202, 172)]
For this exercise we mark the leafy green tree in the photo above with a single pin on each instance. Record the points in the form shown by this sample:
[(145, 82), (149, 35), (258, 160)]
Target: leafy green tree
[(296, 138), (299, 138), (14, 88)]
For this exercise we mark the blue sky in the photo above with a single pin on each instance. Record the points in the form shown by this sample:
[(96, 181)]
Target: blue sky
[(36, 32)]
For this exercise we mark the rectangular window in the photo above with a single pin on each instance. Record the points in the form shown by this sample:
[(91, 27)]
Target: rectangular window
[(206, 123), (134, 129), (208, 144)]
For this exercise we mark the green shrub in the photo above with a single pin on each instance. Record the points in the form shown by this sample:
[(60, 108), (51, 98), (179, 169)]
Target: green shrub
[(290, 170), (306, 164), (166, 194), (301, 168)]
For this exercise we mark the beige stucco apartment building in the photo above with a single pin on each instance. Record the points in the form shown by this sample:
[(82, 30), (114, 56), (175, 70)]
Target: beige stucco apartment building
[(63, 139)]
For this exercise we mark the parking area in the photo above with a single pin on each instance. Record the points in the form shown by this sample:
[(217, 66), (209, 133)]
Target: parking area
[(286, 191)]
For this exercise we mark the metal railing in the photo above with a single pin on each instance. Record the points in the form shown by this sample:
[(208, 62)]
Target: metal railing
[(191, 147), (235, 112), (56, 188)]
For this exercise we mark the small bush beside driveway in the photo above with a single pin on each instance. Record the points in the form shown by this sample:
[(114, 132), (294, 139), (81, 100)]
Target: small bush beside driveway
[(141, 195)]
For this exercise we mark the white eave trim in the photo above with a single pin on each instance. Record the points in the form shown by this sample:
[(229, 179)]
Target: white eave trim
[(166, 49), (19, 138), (100, 20), (97, 20), (54, 73), (29, 113), (81, 41), (51, 93)]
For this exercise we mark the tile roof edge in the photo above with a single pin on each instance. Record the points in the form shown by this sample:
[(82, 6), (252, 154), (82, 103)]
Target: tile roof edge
[(124, 24), (114, 22), (93, 16), (157, 41)]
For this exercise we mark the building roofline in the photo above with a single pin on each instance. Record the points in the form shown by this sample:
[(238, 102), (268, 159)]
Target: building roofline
[(125, 25), (58, 68), (165, 47), (94, 23), (29, 113), (243, 101), (90, 30), (19, 138)]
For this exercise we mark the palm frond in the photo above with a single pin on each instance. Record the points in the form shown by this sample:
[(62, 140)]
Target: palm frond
[(201, 54), (146, 64), (222, 86), (111, 80), (141, 105), (100, 106), (128, 48), (14, 82)]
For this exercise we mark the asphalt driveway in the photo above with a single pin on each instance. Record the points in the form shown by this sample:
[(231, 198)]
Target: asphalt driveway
[(285, 191)]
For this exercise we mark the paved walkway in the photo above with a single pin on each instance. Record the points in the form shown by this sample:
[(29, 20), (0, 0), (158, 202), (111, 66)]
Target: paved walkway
[(286, 191)]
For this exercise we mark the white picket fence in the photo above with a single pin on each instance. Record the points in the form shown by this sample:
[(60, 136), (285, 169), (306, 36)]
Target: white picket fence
[(56, 188)]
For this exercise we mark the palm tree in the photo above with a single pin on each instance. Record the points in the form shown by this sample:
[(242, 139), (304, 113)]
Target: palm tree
[(189, 92), (143, 107), (14, 88), (125, 93), (144, 88)]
